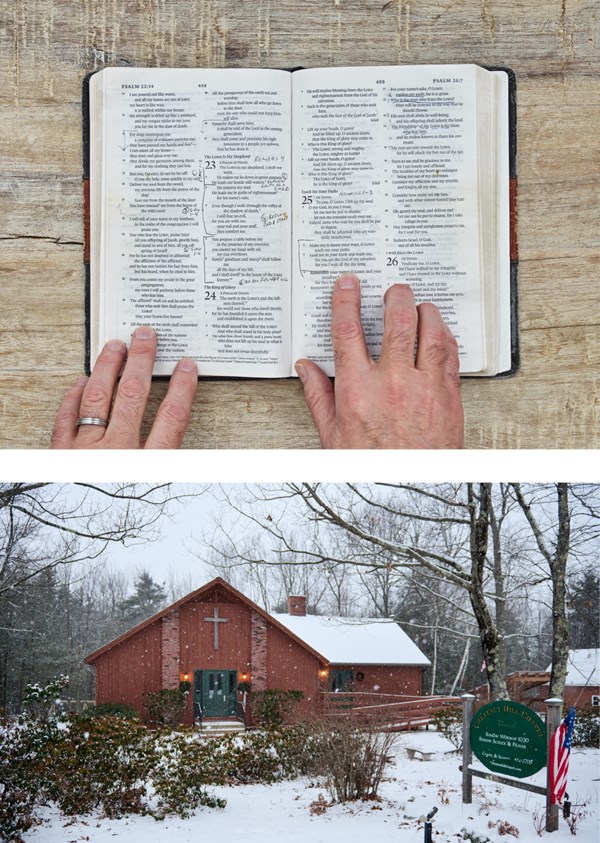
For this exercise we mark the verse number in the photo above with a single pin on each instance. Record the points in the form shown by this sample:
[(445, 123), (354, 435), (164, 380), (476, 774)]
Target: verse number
[(210, 295), (209, 164), (391, 261), (306, 199)]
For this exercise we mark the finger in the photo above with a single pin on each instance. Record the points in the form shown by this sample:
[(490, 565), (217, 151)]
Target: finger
[(399, 326), (98, 393), (174, 412), (65, 431), (350, 351), (134, 388), (433, 347), (319, 396)]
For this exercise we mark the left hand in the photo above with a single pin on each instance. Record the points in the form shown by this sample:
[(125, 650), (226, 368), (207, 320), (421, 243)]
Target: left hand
[(93, 397)]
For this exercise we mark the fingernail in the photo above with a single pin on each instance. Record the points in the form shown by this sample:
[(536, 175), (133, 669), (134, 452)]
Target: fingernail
[(301, 372), (186, 364), (115, 345), (347, 282), (144, 333)]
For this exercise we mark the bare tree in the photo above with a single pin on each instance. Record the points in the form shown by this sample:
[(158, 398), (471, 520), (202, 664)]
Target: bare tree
[(472, 536), (44, 525), (554, 539)]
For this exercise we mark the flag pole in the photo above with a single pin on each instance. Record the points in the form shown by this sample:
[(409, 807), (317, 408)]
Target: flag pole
[(553, 712)]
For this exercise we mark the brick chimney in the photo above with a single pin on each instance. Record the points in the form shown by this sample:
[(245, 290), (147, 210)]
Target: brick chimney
[(297, 606)]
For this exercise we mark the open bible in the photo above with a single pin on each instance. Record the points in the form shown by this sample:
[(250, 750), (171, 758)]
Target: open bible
[(223, 204)]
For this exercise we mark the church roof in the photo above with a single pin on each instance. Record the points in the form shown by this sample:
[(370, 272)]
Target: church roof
[(583, 667), (355, 640), (218, 588)]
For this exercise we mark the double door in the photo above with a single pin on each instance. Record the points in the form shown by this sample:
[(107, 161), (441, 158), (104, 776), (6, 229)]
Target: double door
[(215, 693)]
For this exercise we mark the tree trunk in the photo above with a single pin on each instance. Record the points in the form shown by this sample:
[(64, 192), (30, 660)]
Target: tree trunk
[(558, 566), (491, 643), (557, 562)]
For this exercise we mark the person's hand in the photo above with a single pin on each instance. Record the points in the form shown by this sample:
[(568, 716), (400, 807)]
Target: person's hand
[(403, 400), (93, 398)]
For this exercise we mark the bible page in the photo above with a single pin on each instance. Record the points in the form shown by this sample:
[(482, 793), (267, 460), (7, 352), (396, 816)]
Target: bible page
[(385, 185), (195, 204)]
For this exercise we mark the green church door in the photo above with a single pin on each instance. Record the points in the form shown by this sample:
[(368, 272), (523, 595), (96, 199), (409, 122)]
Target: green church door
[(215, 692)]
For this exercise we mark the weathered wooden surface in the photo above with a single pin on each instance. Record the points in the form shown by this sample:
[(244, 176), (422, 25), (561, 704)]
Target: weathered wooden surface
[(46, 48)]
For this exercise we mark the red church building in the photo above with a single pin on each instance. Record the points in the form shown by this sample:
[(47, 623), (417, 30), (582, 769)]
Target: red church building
[(216, 638)]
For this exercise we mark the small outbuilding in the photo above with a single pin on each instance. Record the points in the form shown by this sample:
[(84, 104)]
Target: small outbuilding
[(219, 643)]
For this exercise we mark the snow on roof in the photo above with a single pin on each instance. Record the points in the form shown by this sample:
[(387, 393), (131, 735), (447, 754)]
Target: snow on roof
[(355, 640), (583, 667)]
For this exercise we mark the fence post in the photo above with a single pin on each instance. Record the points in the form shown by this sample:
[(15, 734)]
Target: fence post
[(467, 755), (553, 712)]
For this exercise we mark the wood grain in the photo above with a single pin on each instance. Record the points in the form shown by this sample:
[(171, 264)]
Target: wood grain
[(47, 47)]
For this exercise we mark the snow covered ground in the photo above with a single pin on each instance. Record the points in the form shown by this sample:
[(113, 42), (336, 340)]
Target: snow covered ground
[(282, 813)]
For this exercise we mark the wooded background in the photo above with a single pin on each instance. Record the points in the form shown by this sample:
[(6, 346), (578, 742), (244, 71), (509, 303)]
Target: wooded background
[(48, 46)]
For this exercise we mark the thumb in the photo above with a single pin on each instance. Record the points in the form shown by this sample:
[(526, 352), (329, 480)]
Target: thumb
[(319, 397)]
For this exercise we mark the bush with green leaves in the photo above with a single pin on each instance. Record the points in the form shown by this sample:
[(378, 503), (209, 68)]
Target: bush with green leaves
[(99, 764), (43, 701), (274, 707), (24, 775), (448, 721), (586, 730), (165, 707), (18, 785), (183, 766)]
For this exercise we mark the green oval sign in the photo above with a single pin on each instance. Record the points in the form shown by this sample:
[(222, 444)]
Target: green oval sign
[(509, 738)]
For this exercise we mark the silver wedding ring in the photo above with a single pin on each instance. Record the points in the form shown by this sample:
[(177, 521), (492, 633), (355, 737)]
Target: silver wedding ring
[(92, 420)]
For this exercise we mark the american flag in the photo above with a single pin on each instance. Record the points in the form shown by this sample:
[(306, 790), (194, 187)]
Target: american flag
[(558, 762)]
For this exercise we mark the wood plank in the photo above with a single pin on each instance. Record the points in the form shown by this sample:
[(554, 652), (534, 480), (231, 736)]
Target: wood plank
[(48, 46), (491, 777)]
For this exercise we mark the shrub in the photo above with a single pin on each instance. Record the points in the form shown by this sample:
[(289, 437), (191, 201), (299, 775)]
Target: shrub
[(352, 761), (23, 772), (586, 730), (182, 768), (166, 707), (448, 721), (40, 701), (18, 781), (274, 707), (100, 763)]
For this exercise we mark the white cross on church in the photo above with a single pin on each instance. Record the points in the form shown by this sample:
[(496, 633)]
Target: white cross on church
[(216, 620)]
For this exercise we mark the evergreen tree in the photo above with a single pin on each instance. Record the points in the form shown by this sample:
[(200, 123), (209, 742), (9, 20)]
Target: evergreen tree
[(148, 598)]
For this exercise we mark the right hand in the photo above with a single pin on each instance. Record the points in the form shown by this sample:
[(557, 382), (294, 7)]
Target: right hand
[(401, 401)]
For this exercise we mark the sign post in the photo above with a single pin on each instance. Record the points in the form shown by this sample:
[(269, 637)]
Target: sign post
[(467, 756), (509, 739), (553, 710)]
